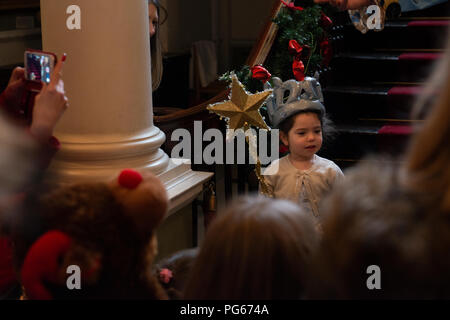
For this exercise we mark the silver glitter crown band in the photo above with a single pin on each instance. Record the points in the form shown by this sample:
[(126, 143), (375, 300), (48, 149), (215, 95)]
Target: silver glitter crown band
[(303, 95)]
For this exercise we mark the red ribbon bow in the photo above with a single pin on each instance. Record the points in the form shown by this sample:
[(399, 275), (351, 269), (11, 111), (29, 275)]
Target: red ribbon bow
[(260, 73), (295, 49), (298, 68), (325, 22), (292, 6)]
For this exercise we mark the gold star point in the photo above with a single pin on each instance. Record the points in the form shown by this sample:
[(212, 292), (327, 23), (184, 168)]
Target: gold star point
[(242, 108)]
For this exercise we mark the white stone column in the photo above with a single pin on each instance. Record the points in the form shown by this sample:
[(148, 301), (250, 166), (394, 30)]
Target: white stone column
[(109, 123)]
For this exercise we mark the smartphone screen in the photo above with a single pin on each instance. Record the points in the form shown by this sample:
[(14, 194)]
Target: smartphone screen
[(38, 66)]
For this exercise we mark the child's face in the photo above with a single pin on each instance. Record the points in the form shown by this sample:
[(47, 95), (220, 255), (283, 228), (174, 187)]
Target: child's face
[(305, 137), (153, 19)]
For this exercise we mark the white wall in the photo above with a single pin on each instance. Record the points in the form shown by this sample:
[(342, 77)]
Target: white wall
[(241, 23), (233, 24), (248, 18), (188, 21)]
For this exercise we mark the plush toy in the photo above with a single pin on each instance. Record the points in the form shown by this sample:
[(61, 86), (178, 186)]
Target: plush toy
[(102, 232)]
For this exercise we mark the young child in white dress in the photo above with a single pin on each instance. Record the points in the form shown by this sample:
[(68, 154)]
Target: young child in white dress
[(301, 176)]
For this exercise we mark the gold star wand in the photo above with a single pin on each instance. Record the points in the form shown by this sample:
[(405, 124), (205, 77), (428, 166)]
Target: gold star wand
[(241, 111)]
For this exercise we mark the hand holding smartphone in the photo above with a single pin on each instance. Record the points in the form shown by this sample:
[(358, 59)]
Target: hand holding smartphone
[(39, 66), (49, 104)]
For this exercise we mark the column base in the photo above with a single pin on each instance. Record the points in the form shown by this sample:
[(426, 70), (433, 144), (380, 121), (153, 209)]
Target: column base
[(87, 161), (94, 162), (182, 183)]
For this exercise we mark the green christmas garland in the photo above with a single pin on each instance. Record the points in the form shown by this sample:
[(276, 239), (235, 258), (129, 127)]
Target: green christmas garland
[(306, 23)]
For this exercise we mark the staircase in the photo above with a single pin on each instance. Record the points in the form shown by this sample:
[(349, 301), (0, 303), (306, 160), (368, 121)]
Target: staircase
[(374, 79)]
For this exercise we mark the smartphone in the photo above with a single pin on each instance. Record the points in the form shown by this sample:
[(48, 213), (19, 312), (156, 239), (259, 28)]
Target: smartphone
[(39, 65)]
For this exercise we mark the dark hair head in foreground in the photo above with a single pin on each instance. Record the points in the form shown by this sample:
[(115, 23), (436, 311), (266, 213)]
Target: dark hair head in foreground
[(259, 248)]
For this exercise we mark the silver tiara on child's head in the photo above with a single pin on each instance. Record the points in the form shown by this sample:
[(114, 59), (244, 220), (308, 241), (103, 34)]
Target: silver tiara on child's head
[(303, 95)]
